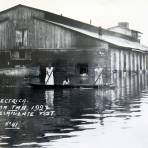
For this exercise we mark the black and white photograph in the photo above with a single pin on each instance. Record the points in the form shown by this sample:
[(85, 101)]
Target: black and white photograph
[(73, 74)]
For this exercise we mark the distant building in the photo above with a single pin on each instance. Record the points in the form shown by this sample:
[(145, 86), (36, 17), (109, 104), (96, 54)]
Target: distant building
[(30, 36)]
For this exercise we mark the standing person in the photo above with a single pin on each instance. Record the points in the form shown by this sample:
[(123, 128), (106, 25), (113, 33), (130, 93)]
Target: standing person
[(98, 76), (49, 80)]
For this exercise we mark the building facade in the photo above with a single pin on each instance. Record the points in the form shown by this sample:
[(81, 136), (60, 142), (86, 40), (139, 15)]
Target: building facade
[(30, 36)]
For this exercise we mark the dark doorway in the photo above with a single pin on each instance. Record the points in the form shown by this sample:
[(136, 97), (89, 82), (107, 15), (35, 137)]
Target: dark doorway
[(82, 68)]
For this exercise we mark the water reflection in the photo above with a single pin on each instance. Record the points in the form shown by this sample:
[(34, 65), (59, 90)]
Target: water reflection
[(74, 111)]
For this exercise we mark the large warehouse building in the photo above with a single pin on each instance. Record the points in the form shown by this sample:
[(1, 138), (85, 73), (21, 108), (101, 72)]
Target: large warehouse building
[(30, 36)]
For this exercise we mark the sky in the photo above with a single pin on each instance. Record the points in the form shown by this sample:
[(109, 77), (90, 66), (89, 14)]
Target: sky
[(105, 13)]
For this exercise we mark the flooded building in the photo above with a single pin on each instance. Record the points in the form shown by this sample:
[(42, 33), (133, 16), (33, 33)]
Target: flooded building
[(30, 36)]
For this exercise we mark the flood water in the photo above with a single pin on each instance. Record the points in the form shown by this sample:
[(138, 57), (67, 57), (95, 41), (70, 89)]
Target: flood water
[(76, 117)]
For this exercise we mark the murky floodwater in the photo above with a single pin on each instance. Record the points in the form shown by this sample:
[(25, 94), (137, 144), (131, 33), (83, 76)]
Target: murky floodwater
[(76, 117)]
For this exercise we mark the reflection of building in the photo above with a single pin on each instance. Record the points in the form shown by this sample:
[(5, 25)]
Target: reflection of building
[(29, 35)]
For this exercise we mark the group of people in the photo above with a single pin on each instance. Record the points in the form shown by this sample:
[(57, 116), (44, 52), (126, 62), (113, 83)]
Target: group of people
[(46, 76)]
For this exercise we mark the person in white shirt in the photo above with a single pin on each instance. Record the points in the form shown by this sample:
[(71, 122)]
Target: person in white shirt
[(49, 79), (98, 76)]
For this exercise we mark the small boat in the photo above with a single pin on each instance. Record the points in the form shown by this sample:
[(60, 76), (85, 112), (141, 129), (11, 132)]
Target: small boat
[(59, 86)]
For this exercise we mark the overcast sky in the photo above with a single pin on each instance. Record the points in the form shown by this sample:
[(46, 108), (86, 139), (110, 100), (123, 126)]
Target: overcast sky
[(105, 13)]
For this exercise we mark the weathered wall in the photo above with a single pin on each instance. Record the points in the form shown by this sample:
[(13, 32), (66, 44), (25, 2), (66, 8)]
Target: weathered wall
[(4, 59), (42, 35), (48, 35), (21, 13), (14, 19), (6, 35), (69, 48), (66, 63)]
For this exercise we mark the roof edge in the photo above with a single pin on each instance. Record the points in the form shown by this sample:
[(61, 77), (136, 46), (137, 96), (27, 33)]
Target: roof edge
[(37, 9)]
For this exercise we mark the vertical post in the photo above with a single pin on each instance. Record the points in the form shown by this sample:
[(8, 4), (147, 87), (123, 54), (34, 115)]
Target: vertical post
[(120, 68), (129, 62)]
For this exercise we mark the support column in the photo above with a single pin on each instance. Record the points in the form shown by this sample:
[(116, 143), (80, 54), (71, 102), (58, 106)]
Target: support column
[(133, 61), (137, 63), (144, 62), (120, 67), (130, 63)]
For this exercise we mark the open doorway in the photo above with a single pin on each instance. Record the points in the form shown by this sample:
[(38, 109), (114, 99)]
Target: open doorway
[(82, 69)]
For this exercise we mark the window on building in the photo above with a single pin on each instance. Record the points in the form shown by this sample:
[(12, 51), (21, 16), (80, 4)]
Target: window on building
[(21, 37), (82, 68), (124, 66), (16, 55)]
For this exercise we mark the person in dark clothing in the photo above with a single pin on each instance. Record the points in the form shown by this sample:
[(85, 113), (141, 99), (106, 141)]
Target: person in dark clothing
[(42, 74)]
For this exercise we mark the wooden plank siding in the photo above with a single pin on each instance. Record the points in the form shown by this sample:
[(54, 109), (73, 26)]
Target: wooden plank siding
[(40, 34), (21, 13), (6, 35), (66, 62), (48, 35), (18, 18), (58, 45)]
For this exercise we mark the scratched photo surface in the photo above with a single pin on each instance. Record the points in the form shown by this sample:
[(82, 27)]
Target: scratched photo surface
[(73, 73)]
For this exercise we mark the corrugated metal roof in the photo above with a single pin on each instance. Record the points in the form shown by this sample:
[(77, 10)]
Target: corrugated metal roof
[(107, 38)]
